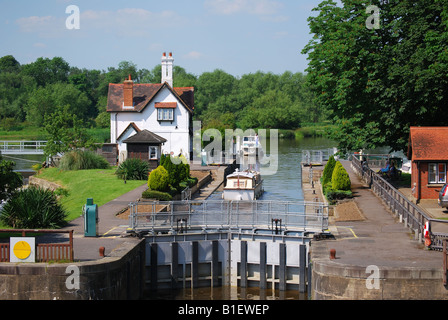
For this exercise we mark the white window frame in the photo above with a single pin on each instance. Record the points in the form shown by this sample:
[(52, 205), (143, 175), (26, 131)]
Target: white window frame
[(435, 176), (165, 114), (156, 153)]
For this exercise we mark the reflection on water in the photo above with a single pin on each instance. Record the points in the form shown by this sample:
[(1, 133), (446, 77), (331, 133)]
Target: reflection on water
[(225, 293), (24, 162)]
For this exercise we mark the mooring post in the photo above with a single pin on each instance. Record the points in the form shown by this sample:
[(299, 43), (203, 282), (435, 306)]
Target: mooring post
[(215, 264), (243, 265), (282, 267), (302, 268), (174, 264), (263, 261), (194, 264)]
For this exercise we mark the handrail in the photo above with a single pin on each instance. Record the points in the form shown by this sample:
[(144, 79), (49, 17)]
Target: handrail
[(33, 147), (227, 215), (410, 214)]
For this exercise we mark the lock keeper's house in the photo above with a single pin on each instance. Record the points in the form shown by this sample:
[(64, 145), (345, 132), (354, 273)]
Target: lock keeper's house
[(147, 120), (428, 151)]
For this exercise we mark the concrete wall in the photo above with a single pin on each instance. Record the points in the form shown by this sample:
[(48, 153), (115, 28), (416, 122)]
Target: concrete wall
[(117, 276), (335, 281)]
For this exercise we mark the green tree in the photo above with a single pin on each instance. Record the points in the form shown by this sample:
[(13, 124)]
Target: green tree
[(376, 83), (46, 71), (9, 64), (65, 132), (10, 181), (44, 100)]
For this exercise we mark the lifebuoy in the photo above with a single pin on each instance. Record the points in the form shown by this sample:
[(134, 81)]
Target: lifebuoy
[(426, 234)]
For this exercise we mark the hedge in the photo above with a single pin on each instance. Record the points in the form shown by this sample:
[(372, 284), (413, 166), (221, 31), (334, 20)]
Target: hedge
[(157, 195)]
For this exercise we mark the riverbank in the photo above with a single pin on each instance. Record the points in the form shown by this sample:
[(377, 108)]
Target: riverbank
[(375, 256)]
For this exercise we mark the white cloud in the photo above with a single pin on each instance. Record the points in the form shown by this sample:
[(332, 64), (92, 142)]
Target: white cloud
[(130, 21), (194, 55), (255, 7), (45, 27)]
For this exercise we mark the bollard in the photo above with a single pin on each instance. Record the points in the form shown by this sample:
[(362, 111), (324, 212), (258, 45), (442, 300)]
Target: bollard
[(102, 250), (332, 254)]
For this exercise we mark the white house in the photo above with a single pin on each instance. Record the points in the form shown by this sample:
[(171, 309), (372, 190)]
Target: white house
[(163, 111)]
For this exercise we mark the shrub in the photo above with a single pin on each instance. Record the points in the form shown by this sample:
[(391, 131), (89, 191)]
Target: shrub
[(340, 179), (178, 169), (133, 169), (159, 179), (328, 170), (82, 160), (158, 195), (33, 208)]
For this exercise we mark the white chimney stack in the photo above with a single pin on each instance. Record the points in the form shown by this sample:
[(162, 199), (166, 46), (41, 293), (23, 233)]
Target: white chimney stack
[(167, 68)]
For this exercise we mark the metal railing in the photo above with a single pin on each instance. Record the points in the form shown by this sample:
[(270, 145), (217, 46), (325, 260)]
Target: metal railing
[(409, 213), (22, 147), (212, 215), (317, 156)]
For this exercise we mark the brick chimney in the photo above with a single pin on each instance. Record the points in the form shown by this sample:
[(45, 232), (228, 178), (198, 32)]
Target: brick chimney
[(128, 93), (167, 68)]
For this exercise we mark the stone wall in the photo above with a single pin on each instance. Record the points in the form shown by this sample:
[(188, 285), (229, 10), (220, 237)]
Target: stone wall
[(33, 181), (120, 275), (336, 281)]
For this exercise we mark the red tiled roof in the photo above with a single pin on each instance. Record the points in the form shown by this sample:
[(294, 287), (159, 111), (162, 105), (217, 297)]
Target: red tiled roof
[(143, 94), (166, 105), (428, 143)]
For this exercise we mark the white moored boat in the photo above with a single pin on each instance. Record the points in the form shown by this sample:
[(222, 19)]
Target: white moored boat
[(243, 185)]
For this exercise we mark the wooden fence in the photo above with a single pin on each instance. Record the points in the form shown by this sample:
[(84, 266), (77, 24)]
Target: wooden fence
[(45, 252)]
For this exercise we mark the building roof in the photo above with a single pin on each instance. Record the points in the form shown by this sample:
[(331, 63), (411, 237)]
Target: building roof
[(428, 143), (145, 136), (143, 94)]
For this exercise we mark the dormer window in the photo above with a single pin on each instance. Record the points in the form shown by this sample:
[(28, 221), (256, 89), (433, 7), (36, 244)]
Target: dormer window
[(165, 114), (165, 111)]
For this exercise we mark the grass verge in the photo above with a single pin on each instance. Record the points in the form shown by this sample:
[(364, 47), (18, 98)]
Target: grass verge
[(100, 184)]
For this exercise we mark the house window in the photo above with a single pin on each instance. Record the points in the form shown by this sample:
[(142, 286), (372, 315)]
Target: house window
[(153, 153), (165, 114), (437, 173)]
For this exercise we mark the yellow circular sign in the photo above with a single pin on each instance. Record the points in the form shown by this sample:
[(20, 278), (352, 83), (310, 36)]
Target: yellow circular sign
[(22, 250)]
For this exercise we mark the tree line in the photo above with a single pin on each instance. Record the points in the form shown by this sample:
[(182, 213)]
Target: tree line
[(30, 93)]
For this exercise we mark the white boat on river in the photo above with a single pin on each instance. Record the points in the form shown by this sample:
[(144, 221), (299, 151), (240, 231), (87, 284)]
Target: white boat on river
[(243, 185)]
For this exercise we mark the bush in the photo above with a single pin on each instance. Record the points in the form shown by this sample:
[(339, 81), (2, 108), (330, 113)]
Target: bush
[(158, 195), (133, 169), (159, 179), (82, 160), (178, 169), (340, 179), (33, 208), (328, 170)]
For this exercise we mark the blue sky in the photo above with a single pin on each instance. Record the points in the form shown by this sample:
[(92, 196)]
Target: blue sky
[(237, 36)]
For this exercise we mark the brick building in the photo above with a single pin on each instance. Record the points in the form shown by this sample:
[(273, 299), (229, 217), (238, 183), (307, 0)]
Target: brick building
[(428, 151)]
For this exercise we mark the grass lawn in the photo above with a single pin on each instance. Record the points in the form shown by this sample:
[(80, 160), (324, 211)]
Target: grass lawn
[(100, 184)]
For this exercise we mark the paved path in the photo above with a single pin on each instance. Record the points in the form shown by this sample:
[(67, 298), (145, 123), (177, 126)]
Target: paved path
[(379, 239), (110, 228)]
